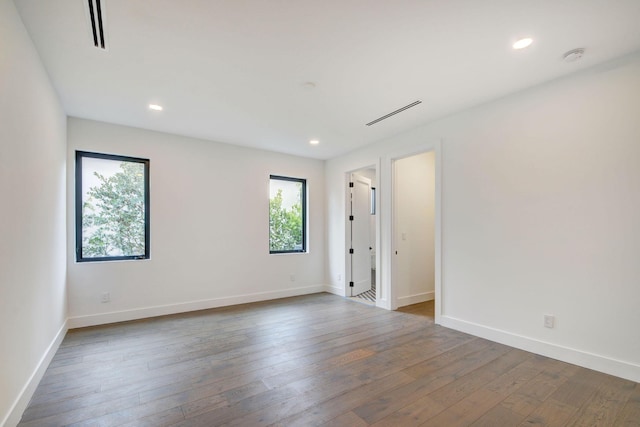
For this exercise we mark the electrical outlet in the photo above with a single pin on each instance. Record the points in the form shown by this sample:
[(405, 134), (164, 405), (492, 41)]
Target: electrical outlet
[(292, 277), (549, 321), (339, 277), (106, 297)]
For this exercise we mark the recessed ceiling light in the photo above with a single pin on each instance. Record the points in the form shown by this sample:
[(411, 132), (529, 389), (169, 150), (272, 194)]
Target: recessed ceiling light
[(155, 107), (522, 43), (314, 142), (573, 55)]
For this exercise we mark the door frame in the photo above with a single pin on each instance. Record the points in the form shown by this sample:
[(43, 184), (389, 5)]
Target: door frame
[(347, 230), (389, 229)]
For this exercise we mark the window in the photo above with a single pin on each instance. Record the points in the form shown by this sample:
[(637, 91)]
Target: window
[(112, 207), (287, 215)]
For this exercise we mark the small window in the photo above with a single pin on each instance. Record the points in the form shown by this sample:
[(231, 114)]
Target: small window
[(112, 207), (287, 215)]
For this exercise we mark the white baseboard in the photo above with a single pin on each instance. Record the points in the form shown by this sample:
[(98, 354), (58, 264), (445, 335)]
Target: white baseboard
[(162, 310), (21, 402), (336, 290), (593, 361), (383, 303), (415, 299)]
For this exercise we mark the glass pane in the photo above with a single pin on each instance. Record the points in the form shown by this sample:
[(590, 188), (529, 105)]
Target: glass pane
[(285, 216), (113, 210)]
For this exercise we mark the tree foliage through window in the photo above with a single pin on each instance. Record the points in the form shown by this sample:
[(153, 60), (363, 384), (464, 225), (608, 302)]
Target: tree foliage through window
[(114, 214), (113, 195), (286, 216)]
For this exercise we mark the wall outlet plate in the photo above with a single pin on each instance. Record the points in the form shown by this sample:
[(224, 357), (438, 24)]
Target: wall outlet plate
[(549, 321)]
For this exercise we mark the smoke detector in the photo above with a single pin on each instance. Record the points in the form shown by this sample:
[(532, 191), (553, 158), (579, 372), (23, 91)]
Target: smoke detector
[(573, 55)]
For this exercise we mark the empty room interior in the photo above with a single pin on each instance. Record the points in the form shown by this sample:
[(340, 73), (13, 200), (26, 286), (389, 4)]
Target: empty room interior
[(340, 213)]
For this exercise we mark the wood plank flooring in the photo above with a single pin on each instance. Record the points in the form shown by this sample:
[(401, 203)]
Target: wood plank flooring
[(316, 360)]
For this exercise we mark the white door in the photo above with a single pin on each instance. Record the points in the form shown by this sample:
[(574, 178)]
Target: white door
[(360, 234)]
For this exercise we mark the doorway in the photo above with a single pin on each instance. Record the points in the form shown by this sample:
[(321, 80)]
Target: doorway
[(414, 229), (361, 235)]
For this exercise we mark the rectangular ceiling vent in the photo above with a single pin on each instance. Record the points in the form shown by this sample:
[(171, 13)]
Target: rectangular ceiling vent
[(95, 16), (393, 113)]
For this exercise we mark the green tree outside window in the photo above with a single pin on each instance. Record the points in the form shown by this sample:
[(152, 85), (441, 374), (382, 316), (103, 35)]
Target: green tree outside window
[(112, 207), (287, 215)]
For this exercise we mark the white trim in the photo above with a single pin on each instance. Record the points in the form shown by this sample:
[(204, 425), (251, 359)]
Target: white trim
[(381, 299), (593, 361), (347, 230), (415, 299), (17, 409), (434, 146), (438, 304), (382, 303), (347, 233), (336, 290), (161, 310)]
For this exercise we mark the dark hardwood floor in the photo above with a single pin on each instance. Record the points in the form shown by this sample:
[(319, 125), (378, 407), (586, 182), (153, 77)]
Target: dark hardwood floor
[(315, 360)]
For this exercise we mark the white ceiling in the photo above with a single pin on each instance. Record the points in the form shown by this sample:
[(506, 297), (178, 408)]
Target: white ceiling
[(234, 71)]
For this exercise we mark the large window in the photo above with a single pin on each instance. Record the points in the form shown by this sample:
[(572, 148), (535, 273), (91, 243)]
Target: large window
[(112, 207), (287, 215)]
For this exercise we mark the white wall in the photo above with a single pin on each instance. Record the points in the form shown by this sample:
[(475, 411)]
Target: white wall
[(414, 233), (540, 208), (209, 228), (32, 217)]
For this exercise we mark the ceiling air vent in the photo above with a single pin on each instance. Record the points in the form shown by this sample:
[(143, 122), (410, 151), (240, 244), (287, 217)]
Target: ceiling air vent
[(94, 9), (393, 113)]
